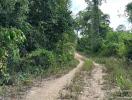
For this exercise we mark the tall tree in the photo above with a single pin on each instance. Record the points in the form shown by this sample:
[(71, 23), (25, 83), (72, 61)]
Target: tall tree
[(95, 36), (93, 26), (129, 11)]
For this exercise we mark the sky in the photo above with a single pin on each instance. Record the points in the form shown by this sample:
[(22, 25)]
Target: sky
[(78, 5), (115, 8)]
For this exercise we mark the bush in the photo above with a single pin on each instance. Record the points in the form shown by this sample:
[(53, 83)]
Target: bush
[(42, 57), (110, 44), (117, 44), (38, 60)]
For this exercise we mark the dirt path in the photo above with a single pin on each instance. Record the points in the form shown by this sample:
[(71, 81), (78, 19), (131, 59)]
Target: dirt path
[(50, 89), (93, 85)]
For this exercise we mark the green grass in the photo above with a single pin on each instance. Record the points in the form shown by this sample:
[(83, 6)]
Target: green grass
[(88, 65)]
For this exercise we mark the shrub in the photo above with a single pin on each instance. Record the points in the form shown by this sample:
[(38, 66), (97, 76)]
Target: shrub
[(37, 60), (117, 44), (42, 57), (109, 49)]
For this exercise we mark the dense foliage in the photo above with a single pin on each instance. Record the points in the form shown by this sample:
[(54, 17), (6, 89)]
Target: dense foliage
[(35, 35)]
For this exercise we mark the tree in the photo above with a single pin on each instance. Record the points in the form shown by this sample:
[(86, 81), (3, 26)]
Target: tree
[(95, 20), (85, 25), (121, 28), (129, 42), (129, 11), (52, 19)]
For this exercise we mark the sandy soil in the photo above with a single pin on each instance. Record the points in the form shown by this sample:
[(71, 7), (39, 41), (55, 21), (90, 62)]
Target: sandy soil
[(50, 88)]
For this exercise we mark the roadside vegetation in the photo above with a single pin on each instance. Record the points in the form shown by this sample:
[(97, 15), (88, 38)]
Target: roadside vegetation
[(118, 80)]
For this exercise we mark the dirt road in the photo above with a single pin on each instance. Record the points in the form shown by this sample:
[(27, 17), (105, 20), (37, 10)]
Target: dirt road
[(92, 89), (50, 89), (94, 84)]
